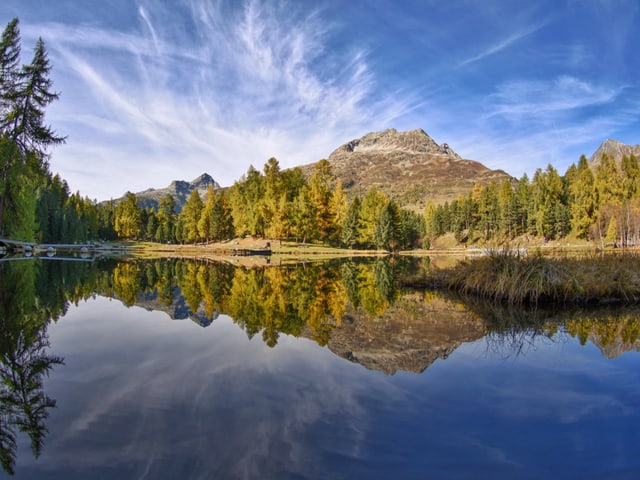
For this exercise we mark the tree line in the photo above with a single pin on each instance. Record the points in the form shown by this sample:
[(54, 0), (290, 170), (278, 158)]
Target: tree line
[(601, 204), (277, 204)]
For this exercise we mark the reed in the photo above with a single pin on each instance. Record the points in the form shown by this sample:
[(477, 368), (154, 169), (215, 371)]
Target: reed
[(512, 278)]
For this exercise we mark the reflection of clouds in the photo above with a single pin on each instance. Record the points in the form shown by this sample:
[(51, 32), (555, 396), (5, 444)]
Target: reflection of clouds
[(208, 402), (551, 379)]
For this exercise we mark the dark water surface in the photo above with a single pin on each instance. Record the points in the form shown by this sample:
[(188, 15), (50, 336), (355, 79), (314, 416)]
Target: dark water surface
[(163, 370)]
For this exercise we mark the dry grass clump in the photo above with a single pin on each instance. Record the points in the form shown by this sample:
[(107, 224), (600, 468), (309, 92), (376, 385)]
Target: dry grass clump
[(508, 277)]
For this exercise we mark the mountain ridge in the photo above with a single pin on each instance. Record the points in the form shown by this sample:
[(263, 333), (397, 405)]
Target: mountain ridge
[(615, 149), (408, 166), (178, 189)]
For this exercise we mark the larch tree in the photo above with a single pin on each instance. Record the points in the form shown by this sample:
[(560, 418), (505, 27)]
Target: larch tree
[(582, 194), (371, 208), (320, 193), (128, 217), (190, 216)]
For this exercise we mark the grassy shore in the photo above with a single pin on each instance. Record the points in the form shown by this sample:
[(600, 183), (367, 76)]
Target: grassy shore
[(512, 278), (508, 276)]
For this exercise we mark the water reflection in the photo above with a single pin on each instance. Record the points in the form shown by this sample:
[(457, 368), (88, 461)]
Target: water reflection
[(355, 308), (24, 360)]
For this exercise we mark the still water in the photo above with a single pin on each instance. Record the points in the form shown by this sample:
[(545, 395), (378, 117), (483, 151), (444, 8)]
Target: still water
[(193, 370)]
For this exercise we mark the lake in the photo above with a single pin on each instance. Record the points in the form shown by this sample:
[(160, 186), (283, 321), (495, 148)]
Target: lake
[(192, 370)]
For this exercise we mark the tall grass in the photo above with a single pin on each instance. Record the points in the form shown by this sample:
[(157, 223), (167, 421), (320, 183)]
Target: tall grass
[(512, 278)]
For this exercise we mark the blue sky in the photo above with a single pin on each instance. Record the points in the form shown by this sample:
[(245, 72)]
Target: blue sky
[(156, 90)]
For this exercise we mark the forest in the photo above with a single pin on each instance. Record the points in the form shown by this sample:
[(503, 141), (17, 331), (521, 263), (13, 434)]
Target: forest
[(600, 204)]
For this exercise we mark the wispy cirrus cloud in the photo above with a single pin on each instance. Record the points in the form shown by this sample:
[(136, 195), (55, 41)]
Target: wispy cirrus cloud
[(565, 93), (241, 85)]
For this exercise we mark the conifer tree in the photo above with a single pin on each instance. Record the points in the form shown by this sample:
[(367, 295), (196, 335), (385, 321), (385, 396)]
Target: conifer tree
[(371, 208), (190, 216), (166, 217), (581, 189), (128, 217), (350, 234), (24, 138), (320, 194)]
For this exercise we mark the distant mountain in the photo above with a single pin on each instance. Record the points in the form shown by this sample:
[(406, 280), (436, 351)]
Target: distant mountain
[(408, 166), (614, 149), (179, 189)]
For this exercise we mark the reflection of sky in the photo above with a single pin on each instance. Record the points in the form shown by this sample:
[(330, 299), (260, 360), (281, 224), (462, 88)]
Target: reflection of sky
[(141, 396)]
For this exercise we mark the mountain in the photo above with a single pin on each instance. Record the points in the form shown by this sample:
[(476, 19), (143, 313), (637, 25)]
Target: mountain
[(408, 166), (179, 189), (614, 149)]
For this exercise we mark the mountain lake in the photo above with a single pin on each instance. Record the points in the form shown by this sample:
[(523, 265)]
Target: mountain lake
[(166, 369)]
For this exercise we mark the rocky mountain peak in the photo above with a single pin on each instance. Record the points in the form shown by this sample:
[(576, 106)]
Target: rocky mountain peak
[(411, 142), (178, 189), (408, 166), (203, 181), (614, 149)]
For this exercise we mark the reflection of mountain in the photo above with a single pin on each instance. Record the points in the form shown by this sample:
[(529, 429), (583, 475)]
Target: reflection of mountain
[(614, 348), (177, 310), (410, 335)]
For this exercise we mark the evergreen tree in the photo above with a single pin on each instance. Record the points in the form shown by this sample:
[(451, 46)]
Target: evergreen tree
[(350, 235), (166, 218), (24, 138), (106, 218), (9, 73), (387, 227), (411, 230)]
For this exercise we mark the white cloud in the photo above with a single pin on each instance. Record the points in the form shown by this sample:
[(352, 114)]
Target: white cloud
[(252, 83), (524, 99)]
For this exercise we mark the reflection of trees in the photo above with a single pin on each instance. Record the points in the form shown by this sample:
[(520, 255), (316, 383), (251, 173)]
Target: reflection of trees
[(283, 300), (513, 330), (31, 294), (23, 404)]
